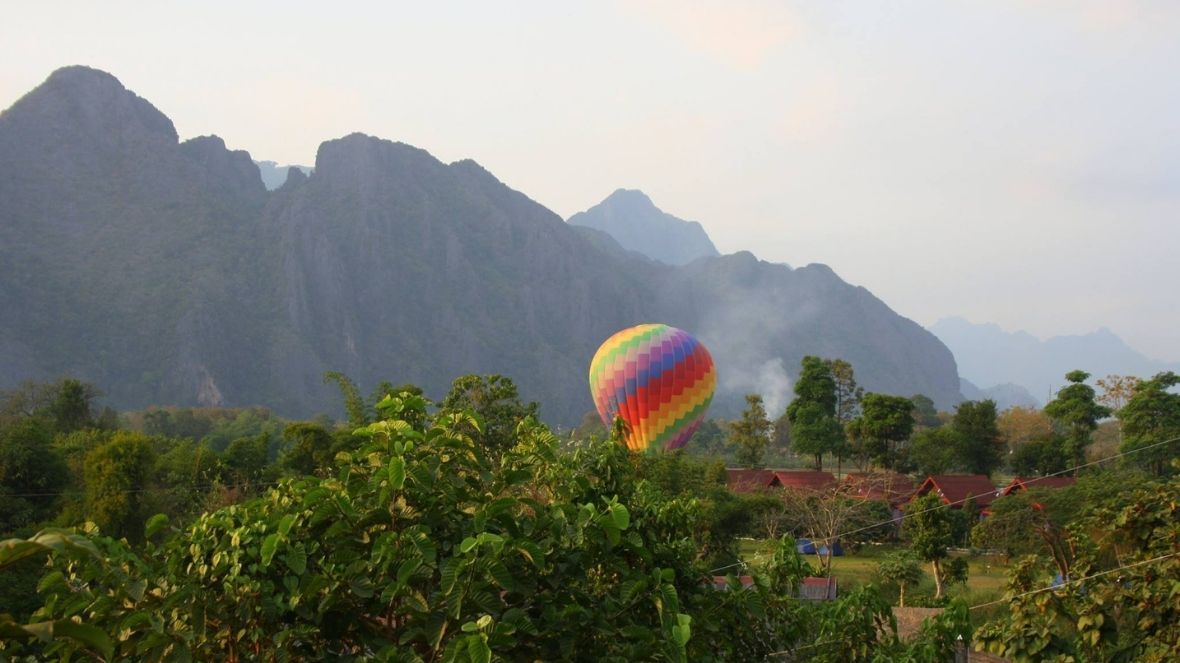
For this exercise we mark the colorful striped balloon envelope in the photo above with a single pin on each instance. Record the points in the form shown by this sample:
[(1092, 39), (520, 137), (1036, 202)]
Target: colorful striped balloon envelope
[(659, 379)]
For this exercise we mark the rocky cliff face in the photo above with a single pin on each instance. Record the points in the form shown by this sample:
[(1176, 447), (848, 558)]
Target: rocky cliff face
[(638, 225), (124, 254), (165, 272)]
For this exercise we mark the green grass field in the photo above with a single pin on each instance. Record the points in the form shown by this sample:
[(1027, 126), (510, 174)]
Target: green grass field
[(986, 576)]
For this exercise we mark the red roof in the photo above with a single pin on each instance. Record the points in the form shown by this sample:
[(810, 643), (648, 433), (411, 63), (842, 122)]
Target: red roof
[(748, 481), (889, 487), (823, 589), (1021, 483), (721, 582), (808, 479), (954, 489)]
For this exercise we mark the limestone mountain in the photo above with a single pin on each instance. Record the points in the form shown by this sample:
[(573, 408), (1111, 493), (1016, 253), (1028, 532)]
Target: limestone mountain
[(637, 224), (274, 176), (166, 272), (988, 355), (1004, 395)]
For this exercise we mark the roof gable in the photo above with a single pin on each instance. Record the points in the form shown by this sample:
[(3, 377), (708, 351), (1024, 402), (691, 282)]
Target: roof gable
[(954, 489), (1021, 483), (807, 479)]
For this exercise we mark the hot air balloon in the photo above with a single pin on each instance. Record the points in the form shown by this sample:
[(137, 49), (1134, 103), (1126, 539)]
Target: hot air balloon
[(659, 379)]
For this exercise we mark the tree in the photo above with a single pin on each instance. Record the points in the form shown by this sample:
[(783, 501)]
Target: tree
[(1117, 391), (848, 397), (31, 473), (495, 401), (885, 422), (1149, 419), (246, 457), (982, 447), (1076, 411), (308, 448), (751, 433), (71, 407), (1117, 604), (1038, 457), (931, 531), (354, 403), (815, 430), (116, 477), (936, 451), (925, 414), (848, 394), (902, 568), (1019, 425), (822, 516)]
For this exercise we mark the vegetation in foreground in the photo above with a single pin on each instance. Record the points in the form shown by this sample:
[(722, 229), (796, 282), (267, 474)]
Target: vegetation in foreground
[(470, 532)]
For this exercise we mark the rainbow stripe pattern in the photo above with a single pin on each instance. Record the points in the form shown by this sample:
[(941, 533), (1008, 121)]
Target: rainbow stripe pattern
[(659, 379)]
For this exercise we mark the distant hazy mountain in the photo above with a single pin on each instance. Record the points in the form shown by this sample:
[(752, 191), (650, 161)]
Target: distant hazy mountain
[(165, 272), (274, 175), (1005, 395), (987, 355), (638, 225)]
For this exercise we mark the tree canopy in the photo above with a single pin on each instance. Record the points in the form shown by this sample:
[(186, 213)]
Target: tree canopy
[(815, 430)]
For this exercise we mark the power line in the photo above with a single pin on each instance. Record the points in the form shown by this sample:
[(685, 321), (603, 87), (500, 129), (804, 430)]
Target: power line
[(812, 645), (1075, 580)]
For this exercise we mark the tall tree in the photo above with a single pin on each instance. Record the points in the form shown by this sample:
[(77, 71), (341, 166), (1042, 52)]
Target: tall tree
[(1019, 425), (848, 396), (354, 403), (902, 568), (1077, 412), (848, 393), (815, 430), (885, 421), (936, 450), (925, 414), (116, 475), (71, 407), (1117, 391), (975, 422), (751, 433), (1152, 417), (931, 531)]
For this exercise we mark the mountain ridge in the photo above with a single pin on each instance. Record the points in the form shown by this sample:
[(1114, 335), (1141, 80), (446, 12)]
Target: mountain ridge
[(190, 283), (631, 217), (989, 355)]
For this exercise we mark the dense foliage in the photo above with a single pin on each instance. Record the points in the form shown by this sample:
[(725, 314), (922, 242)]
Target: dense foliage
[(418, 545)]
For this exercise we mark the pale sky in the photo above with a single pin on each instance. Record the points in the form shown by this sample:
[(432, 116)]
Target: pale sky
[(1010, 161)]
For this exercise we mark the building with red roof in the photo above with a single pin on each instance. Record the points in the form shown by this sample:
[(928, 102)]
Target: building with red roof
[(954, 489), (1023, 483), (748, 481), (888, 487), (804, 479)]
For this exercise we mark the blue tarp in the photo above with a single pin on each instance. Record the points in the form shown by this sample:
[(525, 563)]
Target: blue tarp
[(806, 547)]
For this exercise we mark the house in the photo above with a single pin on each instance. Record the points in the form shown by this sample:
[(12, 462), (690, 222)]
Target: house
[(748, 481), (955, 489), (1022, 483), (803, 479), (888, 487), (818, 589)]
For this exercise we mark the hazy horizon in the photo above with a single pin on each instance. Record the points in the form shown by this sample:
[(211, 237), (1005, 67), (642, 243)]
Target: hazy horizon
[(1013, 163)]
